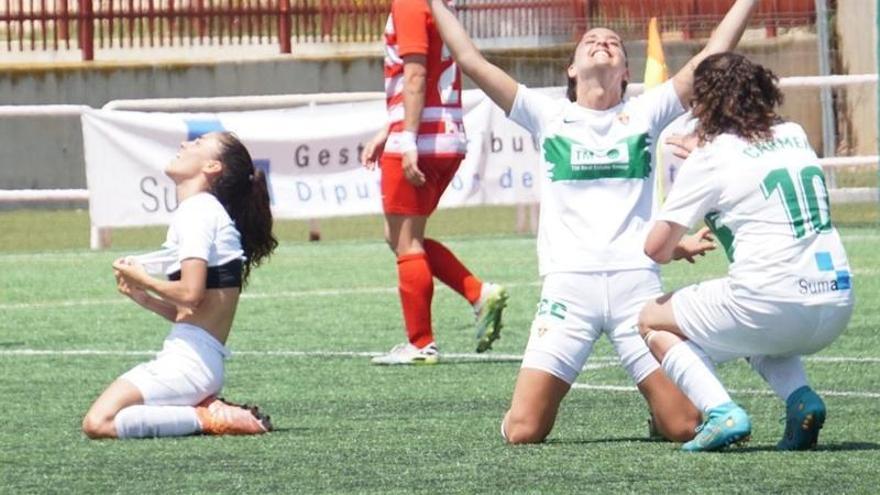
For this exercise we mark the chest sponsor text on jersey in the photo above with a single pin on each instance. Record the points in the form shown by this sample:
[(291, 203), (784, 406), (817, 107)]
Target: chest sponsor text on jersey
[(629, 158)]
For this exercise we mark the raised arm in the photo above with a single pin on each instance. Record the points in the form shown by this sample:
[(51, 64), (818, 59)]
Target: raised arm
[(723, 39), (496, 83)]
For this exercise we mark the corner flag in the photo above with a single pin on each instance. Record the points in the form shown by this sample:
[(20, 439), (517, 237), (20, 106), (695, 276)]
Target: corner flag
[(655, 74), (655, 67)]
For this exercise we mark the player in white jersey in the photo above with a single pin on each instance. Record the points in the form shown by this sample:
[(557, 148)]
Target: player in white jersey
[(221, 229), (757, 182), (596, 204)]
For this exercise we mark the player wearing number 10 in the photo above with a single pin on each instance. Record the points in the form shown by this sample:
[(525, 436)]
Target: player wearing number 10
[(789, 292)]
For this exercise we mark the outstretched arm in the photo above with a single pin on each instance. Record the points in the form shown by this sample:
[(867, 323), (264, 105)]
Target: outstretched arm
[(497, 85), (667, 242), (723, 39)]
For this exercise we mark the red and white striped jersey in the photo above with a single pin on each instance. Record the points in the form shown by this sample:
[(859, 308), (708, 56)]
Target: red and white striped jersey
[(410, 30)]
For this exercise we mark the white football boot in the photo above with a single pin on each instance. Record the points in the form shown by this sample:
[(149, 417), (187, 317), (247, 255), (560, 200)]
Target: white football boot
[(409, 354)]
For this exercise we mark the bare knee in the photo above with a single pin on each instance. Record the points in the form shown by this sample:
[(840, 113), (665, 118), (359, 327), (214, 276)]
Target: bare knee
[(643, 328), (643, 323), (95, 426), (680, 428), (520, 429)]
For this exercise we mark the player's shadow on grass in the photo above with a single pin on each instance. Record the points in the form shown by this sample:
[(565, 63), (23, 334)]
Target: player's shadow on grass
[(444, 361), (822, 447), (832, 447), (289, 430), (589, 441), (11, 344)]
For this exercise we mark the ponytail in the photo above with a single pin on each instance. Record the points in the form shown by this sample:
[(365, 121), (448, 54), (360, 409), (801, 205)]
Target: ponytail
[(243, 191)]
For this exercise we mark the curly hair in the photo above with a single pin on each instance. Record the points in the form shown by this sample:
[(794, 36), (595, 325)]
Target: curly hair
[(735, 95)]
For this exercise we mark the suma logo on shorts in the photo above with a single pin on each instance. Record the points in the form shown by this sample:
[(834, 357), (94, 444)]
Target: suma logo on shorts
[(825, 264)]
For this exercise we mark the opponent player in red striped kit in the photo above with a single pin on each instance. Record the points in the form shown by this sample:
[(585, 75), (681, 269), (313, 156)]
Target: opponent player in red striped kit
[(419, 152)]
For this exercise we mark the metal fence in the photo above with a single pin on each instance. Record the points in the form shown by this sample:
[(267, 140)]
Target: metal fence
[(47, 25)]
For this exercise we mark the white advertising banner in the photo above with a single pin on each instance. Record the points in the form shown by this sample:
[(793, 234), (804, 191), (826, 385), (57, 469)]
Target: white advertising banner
[(310, 154)]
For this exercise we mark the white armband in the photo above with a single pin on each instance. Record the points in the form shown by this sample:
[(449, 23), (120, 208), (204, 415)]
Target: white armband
[(407, 141)]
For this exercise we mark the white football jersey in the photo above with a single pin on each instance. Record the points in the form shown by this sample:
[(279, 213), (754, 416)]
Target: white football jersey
[(597, 189), (201, 228), (768, 206)]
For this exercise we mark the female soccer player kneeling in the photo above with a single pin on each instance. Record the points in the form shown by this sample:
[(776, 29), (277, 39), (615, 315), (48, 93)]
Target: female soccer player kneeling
[(222, 229), (757, 182), (597, 200)]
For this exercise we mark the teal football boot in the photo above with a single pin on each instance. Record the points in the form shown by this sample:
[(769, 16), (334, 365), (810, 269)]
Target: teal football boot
[(724, 425), (805, 416)]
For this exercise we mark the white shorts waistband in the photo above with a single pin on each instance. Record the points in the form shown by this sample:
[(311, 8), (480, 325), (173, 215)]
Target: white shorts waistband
[(190, 332)]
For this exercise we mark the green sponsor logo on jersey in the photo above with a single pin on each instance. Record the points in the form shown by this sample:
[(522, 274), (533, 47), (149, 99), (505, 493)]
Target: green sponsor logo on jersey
[(722, 233), (629, 158)]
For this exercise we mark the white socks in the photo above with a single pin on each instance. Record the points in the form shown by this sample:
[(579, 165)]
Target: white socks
[(156, 421), (692, 370), (783, 374)]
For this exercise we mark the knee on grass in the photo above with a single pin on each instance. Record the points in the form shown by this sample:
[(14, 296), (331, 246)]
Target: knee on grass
[(96, 426), (681, 428), (520, 430)]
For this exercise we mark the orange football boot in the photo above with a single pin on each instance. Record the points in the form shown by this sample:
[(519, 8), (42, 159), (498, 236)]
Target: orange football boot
[(219, 417)]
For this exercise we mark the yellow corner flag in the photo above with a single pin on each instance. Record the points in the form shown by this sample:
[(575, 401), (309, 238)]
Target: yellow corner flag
[(655, 74), (655, 67)]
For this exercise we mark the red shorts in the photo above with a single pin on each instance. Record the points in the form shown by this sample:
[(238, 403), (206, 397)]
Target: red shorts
[(399, 197)]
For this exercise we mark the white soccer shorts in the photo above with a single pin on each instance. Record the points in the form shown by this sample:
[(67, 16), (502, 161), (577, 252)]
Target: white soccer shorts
[(187, 370), (576, 308), (729, 326)]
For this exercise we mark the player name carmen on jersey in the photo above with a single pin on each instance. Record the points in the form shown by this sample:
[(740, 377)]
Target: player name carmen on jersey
[(777, 144)]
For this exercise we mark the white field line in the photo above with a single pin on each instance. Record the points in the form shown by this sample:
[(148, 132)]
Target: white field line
[(747, 391), (593, 363), (293, 294), (596, 364), (74, 255), (298, 294), (247, 295), (290, 354), (68, 256)]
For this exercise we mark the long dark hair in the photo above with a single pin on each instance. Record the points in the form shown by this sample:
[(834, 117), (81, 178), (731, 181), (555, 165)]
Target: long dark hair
[(571, 88), (734, 95), (243, 192)]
